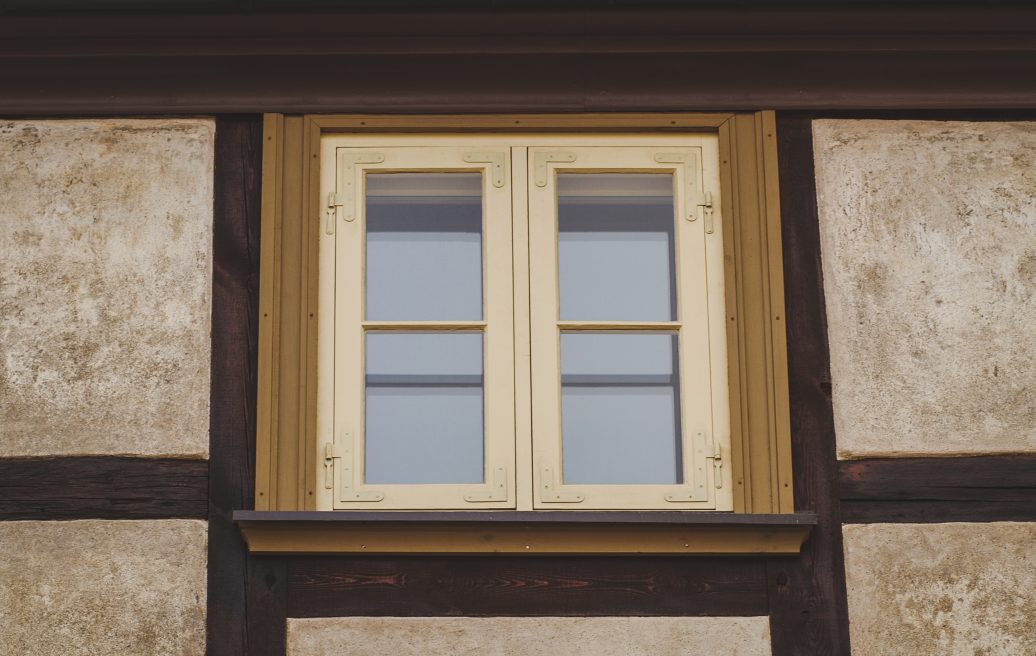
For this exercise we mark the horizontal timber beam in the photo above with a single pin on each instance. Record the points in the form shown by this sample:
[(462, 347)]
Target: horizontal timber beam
[(501, 585), (964, 489), (533, 60), (103, 487)]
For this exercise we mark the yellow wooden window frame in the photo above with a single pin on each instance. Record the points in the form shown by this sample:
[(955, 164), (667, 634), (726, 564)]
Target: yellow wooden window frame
[(288, 441), (340, 406), (692, 160)]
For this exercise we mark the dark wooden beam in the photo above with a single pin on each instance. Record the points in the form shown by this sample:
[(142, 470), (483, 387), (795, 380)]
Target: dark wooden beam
[(709, 58), (969, 489), (808, 605), (30, 7), (103, 487), (235, 318), (514, 585), (267, 601)]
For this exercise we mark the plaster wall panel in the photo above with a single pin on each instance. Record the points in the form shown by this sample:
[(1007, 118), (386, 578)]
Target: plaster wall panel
[(928, 233), (937, 589), (105, 286), (83, 588), (529, 636)]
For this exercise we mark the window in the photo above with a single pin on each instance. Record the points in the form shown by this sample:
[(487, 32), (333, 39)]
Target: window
[(607, 276), (477, 286)]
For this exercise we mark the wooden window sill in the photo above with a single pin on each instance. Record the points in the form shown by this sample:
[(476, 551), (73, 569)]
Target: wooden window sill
[(529, 532)]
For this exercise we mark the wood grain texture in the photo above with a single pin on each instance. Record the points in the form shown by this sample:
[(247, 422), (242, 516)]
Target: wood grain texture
[(507, 585), (103, 487), (267, 621), (101, 6), (881, 56), (971, 489), (235, 300), (808, 607)]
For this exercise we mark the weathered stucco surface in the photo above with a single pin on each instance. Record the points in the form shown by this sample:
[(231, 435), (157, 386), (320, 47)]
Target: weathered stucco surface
[(105, 286), (928, 233), (529, 636), (939, 589), (84, 588)]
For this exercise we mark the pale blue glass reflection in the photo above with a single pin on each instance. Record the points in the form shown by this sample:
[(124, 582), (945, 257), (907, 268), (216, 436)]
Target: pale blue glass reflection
[(616, 251), (424, 246), (620, 416), (424, 408)]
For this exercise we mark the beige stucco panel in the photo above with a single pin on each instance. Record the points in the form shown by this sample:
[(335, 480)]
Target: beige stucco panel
[(105, 286), (84, 588), (928, 234), (938, 589), (529, 636)]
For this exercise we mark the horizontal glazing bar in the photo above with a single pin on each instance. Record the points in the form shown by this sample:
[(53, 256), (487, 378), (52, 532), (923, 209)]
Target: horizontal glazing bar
[(638, 380), (424, 380), (423, 325), (613, 325)]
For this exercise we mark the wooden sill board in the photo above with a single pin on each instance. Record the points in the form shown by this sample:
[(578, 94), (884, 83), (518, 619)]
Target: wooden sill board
[(511, 532)]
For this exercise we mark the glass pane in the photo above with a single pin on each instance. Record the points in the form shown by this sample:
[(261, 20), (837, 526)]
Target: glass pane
[(616, 256), (620, 408), (424, 246), (424, 408)]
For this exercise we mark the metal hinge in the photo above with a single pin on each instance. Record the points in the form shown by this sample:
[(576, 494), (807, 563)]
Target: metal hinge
[(706, 205), (497, 490), (329, 465), (332, 212), (549, 492), (717, 465)]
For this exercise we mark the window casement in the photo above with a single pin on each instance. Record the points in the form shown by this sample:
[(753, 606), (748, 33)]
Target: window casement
[(525, 314), (594, 264)]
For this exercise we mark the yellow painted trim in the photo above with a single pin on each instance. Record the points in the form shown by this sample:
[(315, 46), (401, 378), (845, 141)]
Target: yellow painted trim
[(520, 122), (288, 460), (446, 538), (524, 487), (757, 353), (699, 325), (345, 274)]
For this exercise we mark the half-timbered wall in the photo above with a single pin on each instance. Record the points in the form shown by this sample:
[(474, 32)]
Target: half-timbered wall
[(129, 252), (105, 301)]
